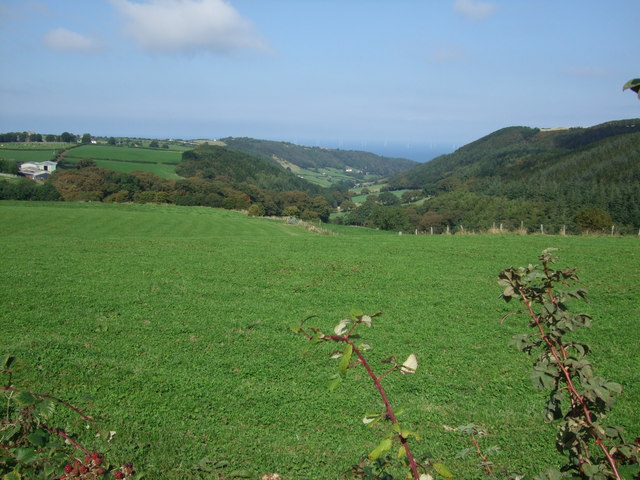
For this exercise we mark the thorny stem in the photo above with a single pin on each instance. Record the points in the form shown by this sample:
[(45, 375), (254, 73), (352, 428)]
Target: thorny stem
[(485, 460), (61, 433), (83, 415), (576, 398), (383, 395)]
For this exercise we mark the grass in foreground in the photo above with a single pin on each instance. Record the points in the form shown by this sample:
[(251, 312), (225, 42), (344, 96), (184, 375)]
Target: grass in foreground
[(175, 319)]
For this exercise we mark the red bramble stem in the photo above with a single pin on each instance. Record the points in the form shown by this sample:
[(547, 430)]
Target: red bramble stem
[(383, 395), (576, 398)]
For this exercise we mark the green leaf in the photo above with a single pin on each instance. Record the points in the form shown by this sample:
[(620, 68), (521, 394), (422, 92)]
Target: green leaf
[(9, 432), (550, 474), (317, 337), (633, 84), (543, 378), (383, 446), (442, 470), (12, 476), (25, 399), (7, 361), (25, 455), (334, 383), (45, 407), (39, 438), (346, 359)]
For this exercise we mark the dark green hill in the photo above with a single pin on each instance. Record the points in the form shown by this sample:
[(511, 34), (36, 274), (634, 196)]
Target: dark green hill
[(284, 153), (566, 178), (218, 163), (519, 153)]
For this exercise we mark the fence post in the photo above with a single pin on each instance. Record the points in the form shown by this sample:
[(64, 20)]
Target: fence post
[(542, 229), (612, 229)]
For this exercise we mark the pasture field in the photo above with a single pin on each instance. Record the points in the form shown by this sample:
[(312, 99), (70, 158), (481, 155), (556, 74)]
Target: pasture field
[(176, 321), (126, 154), (24, 155), (128, 159), (162, 170), (324, 177)]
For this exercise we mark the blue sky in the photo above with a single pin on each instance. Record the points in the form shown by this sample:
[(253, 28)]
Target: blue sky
[(326, 72)]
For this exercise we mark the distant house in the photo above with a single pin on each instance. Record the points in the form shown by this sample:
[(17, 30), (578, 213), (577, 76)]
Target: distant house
[(38, 170)]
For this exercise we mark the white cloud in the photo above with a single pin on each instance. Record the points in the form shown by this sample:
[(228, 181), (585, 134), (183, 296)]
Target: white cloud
[(473, 9), (189, 26), (65, 40)]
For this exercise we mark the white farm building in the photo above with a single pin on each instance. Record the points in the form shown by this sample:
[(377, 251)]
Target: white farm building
[(38, 170)]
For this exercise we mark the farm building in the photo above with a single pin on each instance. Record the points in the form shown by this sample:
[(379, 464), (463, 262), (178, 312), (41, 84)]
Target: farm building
[(38, 170)]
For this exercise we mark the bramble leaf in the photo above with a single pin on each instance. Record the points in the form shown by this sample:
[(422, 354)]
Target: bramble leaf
[(334, 383), (25, 398), (383, 446), (39, 438), (12, 476), (342, 327), (25, 455), (346, 358), (410, 365), (543, 377), (371, 418), (7, 361), (442, 470)]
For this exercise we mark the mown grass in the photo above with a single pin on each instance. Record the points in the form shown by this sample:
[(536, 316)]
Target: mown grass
[(24, 155), (175, 319)]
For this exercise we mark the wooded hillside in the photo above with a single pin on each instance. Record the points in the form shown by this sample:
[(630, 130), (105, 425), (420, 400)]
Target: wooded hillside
[(580, 178), (318, 157)]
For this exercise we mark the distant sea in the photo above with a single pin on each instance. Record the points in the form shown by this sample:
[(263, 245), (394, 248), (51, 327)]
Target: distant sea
[(418, 151)]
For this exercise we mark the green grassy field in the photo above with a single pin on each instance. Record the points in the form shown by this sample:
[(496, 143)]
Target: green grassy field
[(128, 159), (175, 319), (164, 171), (24, 155), (126, 154)]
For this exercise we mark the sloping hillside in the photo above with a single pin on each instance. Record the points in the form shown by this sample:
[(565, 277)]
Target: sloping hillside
[(571, 179), (284, 153), (218, 163), (518, 153)]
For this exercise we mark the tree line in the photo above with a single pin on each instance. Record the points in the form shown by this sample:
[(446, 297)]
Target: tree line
[(101, 185), (21, 137)]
